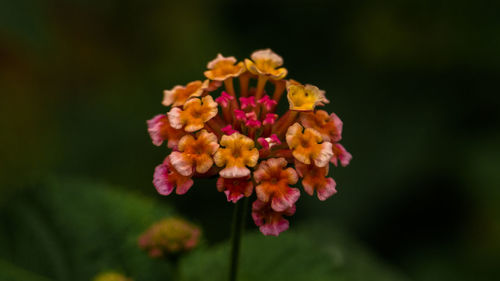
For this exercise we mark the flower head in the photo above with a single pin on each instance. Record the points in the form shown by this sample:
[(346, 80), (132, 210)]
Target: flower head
[(329, 126), (160, 130), (235, 188), (304, 98), (235, 154), (268, 220), (194, 114), (222, 68), (314, 179), (274, 179), (169, 237), (307, 145), (195, 153), (200, 136), (180, 94), (166, 179), (266, 62)]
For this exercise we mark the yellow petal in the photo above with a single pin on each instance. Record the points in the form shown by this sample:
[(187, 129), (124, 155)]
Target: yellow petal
[(304, 98)]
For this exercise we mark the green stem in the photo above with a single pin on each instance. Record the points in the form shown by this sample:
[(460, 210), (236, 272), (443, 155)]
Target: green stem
[(175, 267), (237, 230)]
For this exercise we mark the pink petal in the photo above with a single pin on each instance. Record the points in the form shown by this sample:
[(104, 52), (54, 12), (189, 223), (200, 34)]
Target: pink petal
[(275, 228), (341, 154), (183, 188), (338, 126), (220, 184), (233, 196), (281, 203), (290, 211), (269, 221), (262, 195), (308, 187), (327, 191), (180, 163), (235, 188), (154, 128), (161, 181)]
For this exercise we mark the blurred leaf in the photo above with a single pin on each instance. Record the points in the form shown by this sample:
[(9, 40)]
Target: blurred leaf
[(73, 230), (312, 253), (10, 272)]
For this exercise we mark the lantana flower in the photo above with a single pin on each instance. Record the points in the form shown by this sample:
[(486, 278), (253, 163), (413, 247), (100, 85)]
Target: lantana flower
[(194, 114), (235, 154), (269, 221), (241, 139), (180, 94), (235, 188), (169, 237), (304, 97), (274, 179), (308, 146), (267, 63), (221, 68), (166, 178), (329, 126), (314, 179), (160, 130), (195, 153)]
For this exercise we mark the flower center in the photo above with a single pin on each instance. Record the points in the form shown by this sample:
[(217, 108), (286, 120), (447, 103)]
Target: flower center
[(304, 142), (198, 148), (237, 152), (196, 113)]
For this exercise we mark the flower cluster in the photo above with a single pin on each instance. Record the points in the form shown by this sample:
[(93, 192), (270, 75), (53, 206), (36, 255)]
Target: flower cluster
[(169, 237), (213, 131)]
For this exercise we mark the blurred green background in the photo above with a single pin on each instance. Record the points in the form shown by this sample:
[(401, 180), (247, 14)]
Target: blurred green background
[(415, 82)]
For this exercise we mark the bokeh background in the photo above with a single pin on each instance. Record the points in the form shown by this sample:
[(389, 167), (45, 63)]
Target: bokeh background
[(415, 82)]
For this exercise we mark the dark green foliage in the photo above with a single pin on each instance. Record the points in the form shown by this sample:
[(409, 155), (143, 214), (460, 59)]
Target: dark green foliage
[(73, 230), (311, 253)]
